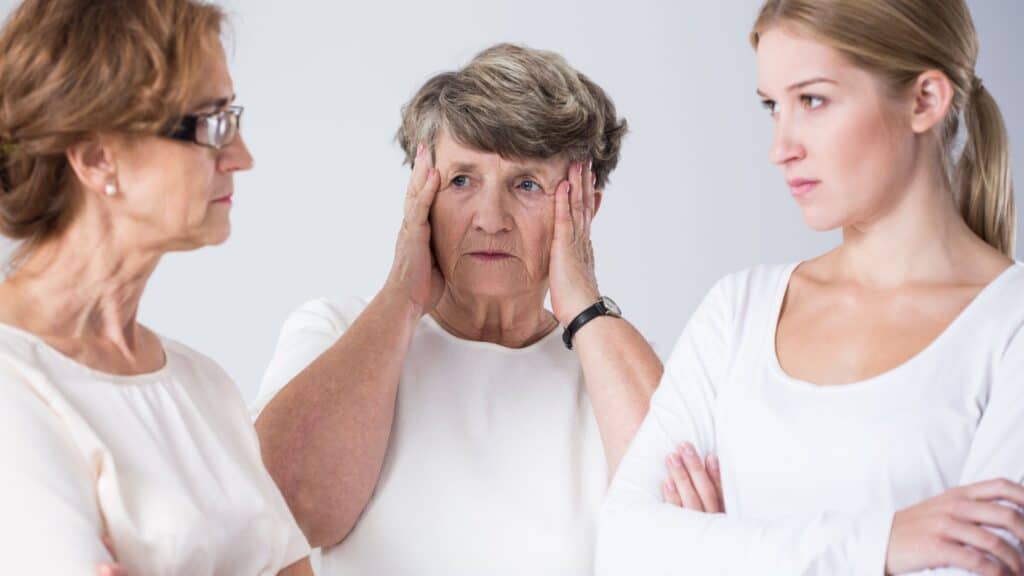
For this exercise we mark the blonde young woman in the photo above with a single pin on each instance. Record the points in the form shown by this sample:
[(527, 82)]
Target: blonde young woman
[(861, 412), (118, 142)]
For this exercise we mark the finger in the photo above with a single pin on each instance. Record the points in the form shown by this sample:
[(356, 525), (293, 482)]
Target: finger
[(970, 559), (1000, 489), (109, 570), (563, 222), (668, 492), (420, 168), (687, 494), (985, 541), (588, 195), (423, 201), (700, 478), (715, 469), (576, 182), (991, 514)]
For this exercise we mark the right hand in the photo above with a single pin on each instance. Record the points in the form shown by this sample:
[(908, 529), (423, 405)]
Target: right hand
[(414, 273), (952, 530)]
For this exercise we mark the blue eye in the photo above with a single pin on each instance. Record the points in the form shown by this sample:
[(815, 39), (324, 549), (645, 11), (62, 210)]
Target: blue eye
[(530, 186), (460, 181)]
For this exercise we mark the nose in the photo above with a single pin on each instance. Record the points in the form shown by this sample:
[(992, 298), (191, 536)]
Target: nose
[(786, 146), (235, 157), (490, 213)]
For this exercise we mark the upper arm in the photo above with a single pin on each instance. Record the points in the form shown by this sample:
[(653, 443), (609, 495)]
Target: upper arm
[(50, 519), (682, 408), (306, 334)]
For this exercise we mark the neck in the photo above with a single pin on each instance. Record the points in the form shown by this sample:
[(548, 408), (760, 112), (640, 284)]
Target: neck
[(513, 322), (83, 284), (921, 237)]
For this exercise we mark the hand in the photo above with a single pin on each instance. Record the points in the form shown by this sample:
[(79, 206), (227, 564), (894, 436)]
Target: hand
[(693, 483), (949, 530), (571, 272), (414, 273), (113, 569)]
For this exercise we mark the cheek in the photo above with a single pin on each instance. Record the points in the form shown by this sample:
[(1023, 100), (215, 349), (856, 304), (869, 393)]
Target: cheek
[(536, 228)]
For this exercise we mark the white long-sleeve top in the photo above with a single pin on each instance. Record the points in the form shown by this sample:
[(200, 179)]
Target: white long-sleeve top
[(812, 475), (167, 464)]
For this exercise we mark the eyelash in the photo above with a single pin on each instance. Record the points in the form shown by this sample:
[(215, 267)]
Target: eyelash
[(805, 99)]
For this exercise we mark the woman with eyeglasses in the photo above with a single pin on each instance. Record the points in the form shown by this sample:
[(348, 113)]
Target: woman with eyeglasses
[(118, 143)]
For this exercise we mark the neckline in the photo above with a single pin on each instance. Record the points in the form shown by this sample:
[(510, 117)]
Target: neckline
[(944, 334), (554, 333), (94, 372)]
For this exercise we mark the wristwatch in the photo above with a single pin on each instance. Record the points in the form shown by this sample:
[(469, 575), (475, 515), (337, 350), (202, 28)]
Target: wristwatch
[(603, 307)]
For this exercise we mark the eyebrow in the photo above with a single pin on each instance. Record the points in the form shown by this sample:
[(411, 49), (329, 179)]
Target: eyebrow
[(803, 84), (216, 103)]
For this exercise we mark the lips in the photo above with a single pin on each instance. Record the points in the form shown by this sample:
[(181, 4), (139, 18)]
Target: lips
[(222, 199), (490, 255), (801, 187)]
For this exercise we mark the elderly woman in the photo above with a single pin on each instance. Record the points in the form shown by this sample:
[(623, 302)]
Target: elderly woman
[(444, 428), (119, 141)]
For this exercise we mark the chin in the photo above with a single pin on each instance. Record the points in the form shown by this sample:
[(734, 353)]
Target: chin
[(821, 220), (492, 287)]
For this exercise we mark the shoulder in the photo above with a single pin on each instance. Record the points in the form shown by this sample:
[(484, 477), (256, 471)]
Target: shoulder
[(751, 288), (324, 315)]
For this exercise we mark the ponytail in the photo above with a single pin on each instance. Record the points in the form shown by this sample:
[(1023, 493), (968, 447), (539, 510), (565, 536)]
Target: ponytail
[(983, 184)]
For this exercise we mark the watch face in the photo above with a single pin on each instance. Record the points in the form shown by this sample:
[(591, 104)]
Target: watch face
[(611, 306)]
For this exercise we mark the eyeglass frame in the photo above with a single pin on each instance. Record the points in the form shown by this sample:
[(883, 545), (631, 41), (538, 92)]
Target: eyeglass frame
[(186, 129)]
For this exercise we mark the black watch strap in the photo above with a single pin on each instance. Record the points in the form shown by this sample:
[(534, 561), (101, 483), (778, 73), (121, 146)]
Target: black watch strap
[(595, 310)]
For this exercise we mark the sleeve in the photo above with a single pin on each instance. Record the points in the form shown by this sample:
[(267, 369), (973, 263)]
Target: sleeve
[(306, 334), (638, 533), (997, 450), (50, 522)]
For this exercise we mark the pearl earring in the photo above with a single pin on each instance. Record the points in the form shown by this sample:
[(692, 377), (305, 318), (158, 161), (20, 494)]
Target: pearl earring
[(110, 189)]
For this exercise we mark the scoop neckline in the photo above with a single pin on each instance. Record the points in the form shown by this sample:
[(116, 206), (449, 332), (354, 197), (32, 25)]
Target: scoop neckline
[(928, 350), (554, 333), (144, 377)]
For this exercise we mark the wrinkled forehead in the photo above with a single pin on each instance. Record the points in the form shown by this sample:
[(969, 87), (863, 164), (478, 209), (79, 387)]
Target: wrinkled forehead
[(452, 155)]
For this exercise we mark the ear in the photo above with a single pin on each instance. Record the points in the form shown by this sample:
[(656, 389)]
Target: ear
[(93, 164), (932, 99)]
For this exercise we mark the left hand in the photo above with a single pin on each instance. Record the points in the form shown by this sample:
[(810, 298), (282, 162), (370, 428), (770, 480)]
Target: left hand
[(571, 272), (694, 483)]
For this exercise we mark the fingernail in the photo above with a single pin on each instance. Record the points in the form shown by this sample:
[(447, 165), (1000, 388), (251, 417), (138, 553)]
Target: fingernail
[(713, 462), (688, 449), (590, 165), (675, 461)]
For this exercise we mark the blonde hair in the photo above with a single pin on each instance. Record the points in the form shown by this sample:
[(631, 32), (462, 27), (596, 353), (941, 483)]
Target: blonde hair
[(70, 68), (899, 40), (520, 103)]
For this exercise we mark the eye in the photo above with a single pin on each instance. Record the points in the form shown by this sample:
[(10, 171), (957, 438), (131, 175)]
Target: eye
[(812, 102), (530, 186), (769, 105), (460, 181)]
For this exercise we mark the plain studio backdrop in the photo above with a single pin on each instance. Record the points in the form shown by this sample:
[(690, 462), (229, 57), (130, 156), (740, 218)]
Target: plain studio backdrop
[(694, 196)]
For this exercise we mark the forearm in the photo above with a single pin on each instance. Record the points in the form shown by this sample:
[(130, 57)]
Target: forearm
[(300, 568), (324, 435), (621, 372)]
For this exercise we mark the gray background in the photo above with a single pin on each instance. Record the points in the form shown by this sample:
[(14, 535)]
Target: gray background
[(322, 82)]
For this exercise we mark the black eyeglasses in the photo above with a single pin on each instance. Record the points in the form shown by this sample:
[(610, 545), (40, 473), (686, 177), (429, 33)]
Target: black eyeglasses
[(215, 130)]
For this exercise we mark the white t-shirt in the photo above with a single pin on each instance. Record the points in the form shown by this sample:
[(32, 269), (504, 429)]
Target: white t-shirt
[(812, 475), (166, 463), (494, 464)]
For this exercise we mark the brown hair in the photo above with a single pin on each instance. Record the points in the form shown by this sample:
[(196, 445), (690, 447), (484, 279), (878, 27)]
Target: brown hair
[(899, 40), (71, 68), (520, 103)]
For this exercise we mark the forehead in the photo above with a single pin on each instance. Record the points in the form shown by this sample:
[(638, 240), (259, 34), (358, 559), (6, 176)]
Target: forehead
[(450, 153), (785, 58), (214, 80)]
